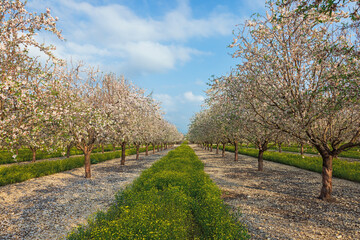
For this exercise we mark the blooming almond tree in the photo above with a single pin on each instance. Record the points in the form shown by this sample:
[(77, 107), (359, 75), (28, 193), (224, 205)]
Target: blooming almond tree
[(122, 103), (18, 68), (154, 114), (242, 123), (150, 113), (36, 121), (301, 76), (83, 120), (223, 97), (139, 128)]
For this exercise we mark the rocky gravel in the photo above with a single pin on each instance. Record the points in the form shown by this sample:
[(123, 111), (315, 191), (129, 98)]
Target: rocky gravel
[(280, 202), (51, 206)]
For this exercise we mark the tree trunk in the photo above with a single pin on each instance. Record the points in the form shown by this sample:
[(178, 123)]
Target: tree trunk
[(302, 149), (123, 148), (280, 150), (153, 148), (87, 163), (217, 148), (223, 151), (147, 150), (113, 145), (260, 160), (211, 147), (68, 150), (33, 154), (326, 175), (236, 151), (102, 148), (137, 151)]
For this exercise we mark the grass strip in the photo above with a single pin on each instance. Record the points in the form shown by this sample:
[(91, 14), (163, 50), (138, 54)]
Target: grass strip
[(25, 155), (20, 173), (353, 153), (173, 199), (341, 168)]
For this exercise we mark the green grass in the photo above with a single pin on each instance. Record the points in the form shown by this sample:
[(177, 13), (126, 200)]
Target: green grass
[(20, 173), (341, 168), (173, 199), (352, 153), (26, 154)]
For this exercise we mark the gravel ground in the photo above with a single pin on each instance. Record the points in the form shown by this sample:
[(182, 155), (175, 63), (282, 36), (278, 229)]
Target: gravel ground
[(51, 206), (281, 203)]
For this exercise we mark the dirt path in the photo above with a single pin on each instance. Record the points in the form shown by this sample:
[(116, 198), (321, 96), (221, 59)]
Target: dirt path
[(281, 203), (49, 207)]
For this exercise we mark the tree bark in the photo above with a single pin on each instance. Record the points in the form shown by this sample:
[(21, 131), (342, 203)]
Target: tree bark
[(326, 175), (147, 150), (260, 160), (302, 149), (236, 151), (102, 148), (68, 150), (153, 148), (33, 154), (217, 148), (87, 163), (123, 148), (137, 151), (280, 150), (211, 147)]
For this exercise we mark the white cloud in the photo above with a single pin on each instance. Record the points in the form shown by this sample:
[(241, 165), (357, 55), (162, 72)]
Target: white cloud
[(189, 96), (156, 57), (167, 102), (134, 43)]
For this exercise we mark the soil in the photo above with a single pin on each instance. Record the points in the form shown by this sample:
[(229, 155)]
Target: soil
[(281, 202)]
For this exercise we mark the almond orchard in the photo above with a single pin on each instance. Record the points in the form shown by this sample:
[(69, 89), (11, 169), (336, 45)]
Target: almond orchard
[(295, 89)]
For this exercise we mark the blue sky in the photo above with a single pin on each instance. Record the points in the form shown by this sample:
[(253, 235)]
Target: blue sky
[(170, 48)]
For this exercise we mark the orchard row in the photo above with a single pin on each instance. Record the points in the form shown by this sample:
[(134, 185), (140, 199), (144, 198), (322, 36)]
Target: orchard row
[(51, 104), (297, 80)]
